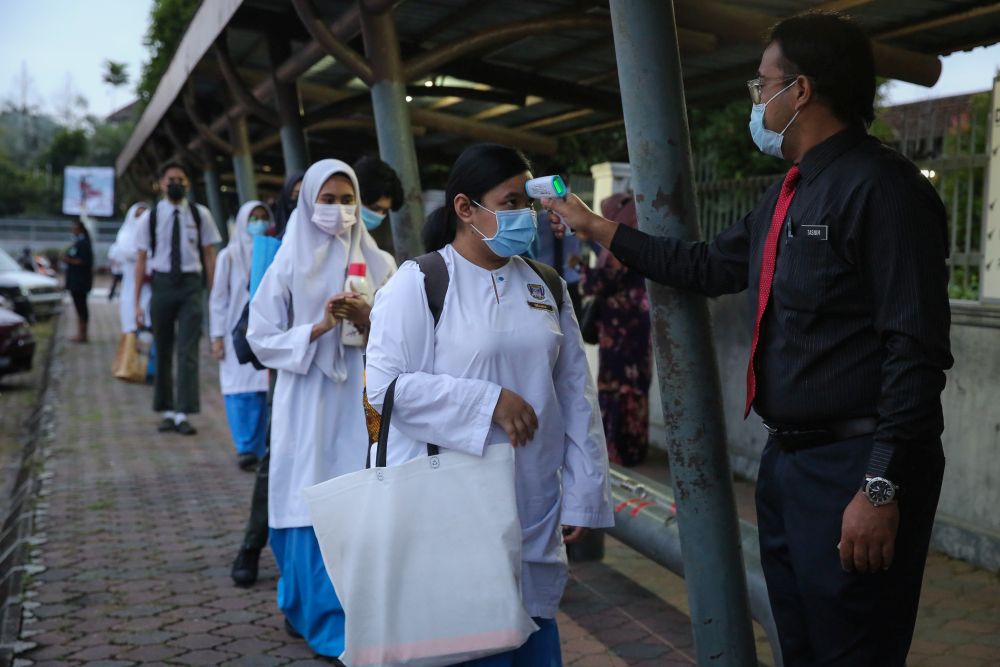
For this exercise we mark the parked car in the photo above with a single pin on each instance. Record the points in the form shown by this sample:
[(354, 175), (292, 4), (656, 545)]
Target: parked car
[(17, 345), (33, 295)]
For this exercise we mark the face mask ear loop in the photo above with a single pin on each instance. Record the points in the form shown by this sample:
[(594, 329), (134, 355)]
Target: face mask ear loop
[(485, 237), (782, 133)]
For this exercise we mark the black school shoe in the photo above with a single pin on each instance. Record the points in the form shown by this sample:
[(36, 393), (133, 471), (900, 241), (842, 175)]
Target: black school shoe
[(185, 428), (167, 425), (244, 571), (247, 462)]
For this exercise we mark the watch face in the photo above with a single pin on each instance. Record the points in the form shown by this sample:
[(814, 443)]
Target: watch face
[(880, 491)]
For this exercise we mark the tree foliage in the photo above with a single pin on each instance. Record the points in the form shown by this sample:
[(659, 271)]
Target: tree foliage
[(168, 19), (115, 73)]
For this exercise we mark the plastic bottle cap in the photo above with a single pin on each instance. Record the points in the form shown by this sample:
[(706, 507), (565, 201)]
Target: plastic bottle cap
[(357, 270)]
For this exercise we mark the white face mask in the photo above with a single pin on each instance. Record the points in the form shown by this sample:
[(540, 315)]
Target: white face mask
[(334, 219)]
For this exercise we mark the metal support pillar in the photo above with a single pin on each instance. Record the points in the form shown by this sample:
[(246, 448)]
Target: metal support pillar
[(213, 199), (393, 128), (243, 169), (659, 147), (293, 137)]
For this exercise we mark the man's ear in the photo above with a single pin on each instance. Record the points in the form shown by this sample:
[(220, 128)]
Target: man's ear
[(804, 91)]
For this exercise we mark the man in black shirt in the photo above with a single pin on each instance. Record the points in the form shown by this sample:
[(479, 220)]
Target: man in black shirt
[(845, 263)]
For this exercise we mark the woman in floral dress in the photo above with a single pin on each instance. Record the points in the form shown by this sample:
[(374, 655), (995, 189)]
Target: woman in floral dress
[(624, 361)]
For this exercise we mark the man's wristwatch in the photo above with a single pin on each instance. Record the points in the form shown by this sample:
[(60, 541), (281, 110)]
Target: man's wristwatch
[(879, 490)]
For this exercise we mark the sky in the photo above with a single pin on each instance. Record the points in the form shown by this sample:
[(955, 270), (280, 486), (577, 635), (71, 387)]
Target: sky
[(56, 39)]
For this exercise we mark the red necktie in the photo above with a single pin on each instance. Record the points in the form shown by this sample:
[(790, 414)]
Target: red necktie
[(767, 273)]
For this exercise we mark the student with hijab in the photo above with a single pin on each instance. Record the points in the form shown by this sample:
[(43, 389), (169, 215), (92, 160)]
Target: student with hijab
[(504, 366), (265, 247), (244, 388), (123, 251), (318, 426), (79, 259)]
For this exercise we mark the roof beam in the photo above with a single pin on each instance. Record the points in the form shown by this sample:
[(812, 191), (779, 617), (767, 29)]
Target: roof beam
[(555, 90), (463, 127), (341, 51), (426, 63), (204, 131), (958, 17), (734, 23), (238, 88), (189, 155)]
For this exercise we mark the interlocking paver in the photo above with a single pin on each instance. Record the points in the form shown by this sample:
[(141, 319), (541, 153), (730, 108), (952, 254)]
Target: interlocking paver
[(141, 528)]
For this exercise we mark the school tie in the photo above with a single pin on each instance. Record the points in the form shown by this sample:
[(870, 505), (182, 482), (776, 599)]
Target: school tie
[(767, 273), (175, 247)]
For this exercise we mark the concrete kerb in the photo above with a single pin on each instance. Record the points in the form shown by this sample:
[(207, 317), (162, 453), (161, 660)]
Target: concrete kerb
[(17, 540)]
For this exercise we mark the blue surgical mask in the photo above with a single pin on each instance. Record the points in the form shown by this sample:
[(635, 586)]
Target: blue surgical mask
[(257, 227), (371, 219), (515, 231), (768, 141)]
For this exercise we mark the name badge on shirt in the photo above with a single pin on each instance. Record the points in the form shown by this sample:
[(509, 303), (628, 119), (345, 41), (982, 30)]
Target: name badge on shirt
[(814, 232), (541, 306)]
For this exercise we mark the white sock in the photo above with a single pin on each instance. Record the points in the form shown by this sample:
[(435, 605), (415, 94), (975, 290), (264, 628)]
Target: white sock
[(168, 414), (180, 417)]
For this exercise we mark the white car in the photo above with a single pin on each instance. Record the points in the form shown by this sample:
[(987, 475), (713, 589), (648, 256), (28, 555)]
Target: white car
[(33, 295)]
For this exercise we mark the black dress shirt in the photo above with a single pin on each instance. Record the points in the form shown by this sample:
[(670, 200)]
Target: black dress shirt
[(858, 321)]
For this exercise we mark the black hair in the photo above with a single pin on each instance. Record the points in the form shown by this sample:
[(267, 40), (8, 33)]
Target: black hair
[(83, 228), (172, 164), (479, 169), (285, 205), (833, 51), (377, 179)]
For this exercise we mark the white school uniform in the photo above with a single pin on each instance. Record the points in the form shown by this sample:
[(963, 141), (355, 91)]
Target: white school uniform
[(124, 251), (318, 421), (230, 294), (497, 329)]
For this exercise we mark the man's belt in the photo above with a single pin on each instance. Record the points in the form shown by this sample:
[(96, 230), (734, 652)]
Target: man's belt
[(792, 438)]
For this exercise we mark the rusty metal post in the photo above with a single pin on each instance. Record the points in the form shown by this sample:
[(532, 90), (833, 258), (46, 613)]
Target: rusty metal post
[(293, 137), (656, 128), (393, 127), (243, 169)]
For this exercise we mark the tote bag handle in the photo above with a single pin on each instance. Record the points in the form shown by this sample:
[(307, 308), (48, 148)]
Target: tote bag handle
[(381, 453)]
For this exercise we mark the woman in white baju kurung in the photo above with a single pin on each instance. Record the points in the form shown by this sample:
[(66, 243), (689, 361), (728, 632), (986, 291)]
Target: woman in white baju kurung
[(123, 251), (504, 366), (318, 426), (244, 388)]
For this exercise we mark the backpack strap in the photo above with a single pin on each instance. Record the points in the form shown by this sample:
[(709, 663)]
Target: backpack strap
[(435, 281), (550, 277), (152, 230)]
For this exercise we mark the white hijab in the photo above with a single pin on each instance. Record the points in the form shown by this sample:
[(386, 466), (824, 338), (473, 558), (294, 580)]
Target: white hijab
[(125, 248), (318, 262), (240, 240)]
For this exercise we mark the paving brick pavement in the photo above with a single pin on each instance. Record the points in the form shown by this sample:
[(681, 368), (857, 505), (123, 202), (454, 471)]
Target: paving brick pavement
[(139, 531)]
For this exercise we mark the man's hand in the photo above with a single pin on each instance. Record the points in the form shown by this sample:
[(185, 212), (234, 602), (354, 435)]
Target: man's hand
[(515, 416), (868, 535), (352, 307), (140, 317), (573, 534), (580, 219), (218, 349)]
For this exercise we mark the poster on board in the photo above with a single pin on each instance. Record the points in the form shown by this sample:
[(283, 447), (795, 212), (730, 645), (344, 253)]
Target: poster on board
[(90, 190)]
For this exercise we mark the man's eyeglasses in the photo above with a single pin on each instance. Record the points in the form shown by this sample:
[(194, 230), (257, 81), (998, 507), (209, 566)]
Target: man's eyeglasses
[(755, 86)]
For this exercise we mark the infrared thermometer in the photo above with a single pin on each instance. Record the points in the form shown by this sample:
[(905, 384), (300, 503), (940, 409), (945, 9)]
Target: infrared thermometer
[(553, 187)]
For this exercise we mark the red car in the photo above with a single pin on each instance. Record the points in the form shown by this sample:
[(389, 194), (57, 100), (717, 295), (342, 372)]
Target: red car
[(17, 345)]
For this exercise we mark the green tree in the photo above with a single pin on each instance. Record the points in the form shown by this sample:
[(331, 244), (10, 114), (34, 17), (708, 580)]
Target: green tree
[(168, 19), (21, 191), (116, 76), (67, 147)]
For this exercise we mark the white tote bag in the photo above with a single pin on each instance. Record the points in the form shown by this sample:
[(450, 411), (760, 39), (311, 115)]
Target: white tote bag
[(425, 556)]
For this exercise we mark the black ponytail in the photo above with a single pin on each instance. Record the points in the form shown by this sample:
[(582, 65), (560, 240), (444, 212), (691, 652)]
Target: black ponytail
[(479, 169)]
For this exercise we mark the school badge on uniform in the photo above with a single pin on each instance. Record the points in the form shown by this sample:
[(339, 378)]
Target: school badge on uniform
[(536, 291)]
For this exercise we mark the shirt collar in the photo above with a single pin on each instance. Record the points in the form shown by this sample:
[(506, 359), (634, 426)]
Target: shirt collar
[(182, 207), (824, 153)]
